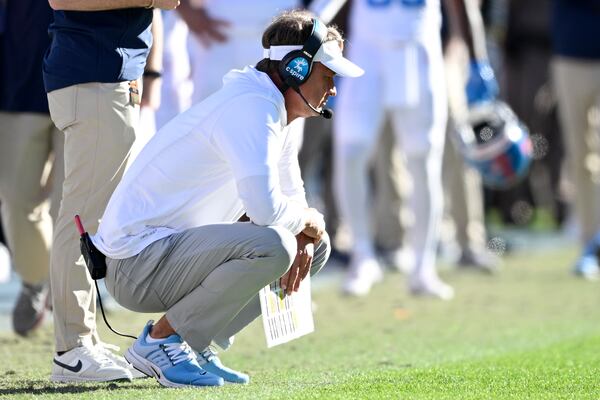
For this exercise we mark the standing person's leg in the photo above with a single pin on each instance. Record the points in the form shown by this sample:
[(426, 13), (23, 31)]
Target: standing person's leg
[(464, 190), (421, 133), (577, 86), (99, 122), (466, 193), (356, 130), (25, 146), (462, 183), (392, 186)]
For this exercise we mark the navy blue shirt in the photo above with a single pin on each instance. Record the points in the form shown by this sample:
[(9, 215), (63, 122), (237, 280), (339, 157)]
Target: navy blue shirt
[(97, 46), (23, 42), (576, 28)]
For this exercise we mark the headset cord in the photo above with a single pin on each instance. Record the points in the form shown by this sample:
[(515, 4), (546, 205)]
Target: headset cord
[(104, 316)]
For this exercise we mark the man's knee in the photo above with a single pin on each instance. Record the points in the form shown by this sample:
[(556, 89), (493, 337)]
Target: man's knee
[(282, 247)]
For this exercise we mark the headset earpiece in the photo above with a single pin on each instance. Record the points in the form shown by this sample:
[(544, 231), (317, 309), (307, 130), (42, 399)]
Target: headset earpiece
[(295, 68)]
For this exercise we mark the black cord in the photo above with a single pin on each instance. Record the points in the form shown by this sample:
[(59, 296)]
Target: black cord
[(104, 316)]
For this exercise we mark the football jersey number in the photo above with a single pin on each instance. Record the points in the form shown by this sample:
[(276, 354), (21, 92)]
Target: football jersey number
[(408, 3)]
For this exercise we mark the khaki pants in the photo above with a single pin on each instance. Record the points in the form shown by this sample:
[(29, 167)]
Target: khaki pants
[(393, 187), (29, 146), (463, 195), (206, 279), (99, 124), (577, 85), (463, 192)]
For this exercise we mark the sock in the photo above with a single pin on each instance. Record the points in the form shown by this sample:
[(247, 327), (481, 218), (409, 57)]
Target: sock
[(150, 339)]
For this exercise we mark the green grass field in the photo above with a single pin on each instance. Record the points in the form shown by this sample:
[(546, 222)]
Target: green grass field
[(531, 332)]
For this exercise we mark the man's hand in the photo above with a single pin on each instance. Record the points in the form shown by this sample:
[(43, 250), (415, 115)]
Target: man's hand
[(290, 282), (166, 4), (456, 58), (314, 225), (208, 29)]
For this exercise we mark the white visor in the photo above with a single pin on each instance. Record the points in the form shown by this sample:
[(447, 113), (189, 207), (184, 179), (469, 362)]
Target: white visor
[(329, 54)]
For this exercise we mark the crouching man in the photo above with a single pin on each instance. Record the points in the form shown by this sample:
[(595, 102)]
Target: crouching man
[(172, 231)]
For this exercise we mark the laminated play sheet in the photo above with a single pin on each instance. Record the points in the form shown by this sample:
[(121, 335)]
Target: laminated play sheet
[(286, 317)]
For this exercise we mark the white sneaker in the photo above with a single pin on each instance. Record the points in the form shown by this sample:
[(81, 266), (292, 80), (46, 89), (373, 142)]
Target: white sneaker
[(85, 364), (107, 349), (362, 274), (432, 288)]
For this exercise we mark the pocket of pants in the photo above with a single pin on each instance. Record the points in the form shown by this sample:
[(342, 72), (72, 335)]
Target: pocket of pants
[(63, 106)]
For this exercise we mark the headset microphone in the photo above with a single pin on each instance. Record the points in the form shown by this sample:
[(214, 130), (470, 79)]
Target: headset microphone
[(326, 113)]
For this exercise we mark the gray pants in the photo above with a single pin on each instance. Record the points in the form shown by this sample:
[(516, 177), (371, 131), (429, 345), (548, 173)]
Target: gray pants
[(207, 279)]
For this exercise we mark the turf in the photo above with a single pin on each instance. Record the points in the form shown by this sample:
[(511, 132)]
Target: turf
[(531, 332)]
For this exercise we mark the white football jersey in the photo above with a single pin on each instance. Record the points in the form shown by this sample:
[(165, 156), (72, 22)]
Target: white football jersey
[(390, 20)]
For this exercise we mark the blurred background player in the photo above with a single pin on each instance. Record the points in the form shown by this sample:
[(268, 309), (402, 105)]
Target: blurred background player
[(463, 238), (225, 35), (576, 73), (399, 45), (176, 93), (29, 145), (471, 81)]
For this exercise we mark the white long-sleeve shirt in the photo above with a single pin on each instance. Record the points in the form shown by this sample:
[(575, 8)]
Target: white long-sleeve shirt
[(228, 155)]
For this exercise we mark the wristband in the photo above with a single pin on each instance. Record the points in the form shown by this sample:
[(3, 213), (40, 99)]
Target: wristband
[(152, 74)]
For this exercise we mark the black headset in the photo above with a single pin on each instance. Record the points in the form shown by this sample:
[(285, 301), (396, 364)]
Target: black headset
[(296, 66)]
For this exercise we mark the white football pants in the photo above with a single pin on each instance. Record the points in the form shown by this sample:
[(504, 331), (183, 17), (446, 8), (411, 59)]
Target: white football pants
[(405, 81)]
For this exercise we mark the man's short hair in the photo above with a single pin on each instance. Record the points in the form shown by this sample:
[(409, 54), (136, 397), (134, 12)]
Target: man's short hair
[(291, 28)]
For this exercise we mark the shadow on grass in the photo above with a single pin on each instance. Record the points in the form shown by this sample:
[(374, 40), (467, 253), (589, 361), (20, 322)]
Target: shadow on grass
[(40, 387)]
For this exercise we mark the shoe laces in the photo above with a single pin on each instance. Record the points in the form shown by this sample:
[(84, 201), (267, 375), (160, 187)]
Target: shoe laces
[(97, 355), (111, 351), (104, 347), (178, 352), (208, 354)]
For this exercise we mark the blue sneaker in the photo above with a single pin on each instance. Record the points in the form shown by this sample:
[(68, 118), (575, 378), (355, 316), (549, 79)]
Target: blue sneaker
[(209, 361), (587, 267), (171, 361)]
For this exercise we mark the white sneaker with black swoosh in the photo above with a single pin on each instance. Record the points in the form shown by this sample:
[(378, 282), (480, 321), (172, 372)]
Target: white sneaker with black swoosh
[(85, 364)]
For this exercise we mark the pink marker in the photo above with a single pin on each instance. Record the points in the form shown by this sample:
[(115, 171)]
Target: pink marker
[(79, 225)]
